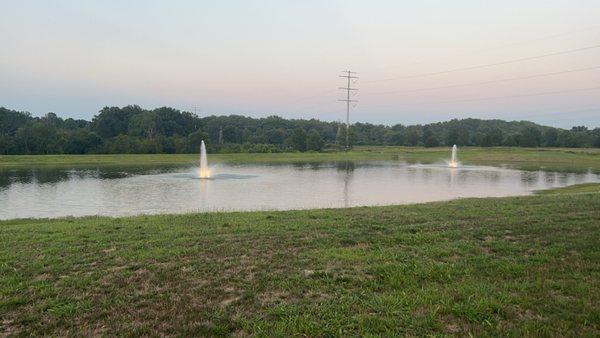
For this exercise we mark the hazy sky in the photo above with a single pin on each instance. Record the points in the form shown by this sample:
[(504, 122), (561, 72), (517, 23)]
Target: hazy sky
[(260, 58)]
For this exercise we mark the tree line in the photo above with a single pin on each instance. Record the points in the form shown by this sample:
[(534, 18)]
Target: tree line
[(132, 129)]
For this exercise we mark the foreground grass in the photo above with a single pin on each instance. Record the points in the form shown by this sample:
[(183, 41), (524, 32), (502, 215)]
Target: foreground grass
[(520, 265), (560, 159), (572, 189)]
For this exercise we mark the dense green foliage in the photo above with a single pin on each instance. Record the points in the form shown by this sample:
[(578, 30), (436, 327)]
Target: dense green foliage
[(132, 129), (517, 266)]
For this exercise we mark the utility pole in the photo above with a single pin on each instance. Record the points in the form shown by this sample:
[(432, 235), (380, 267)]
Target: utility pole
[(195, 108), (348, 75)]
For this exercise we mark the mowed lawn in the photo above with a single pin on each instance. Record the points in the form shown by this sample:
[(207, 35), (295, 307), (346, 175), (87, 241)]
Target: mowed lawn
[(520, 265)]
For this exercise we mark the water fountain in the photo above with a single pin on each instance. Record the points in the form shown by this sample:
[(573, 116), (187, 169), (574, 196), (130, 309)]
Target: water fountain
[(454, 160), (204, 171)]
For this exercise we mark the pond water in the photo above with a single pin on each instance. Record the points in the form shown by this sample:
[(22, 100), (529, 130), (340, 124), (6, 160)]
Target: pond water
[(121, 191)]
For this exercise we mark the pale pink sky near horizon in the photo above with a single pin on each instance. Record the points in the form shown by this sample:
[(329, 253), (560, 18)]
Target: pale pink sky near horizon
[(260, 58)]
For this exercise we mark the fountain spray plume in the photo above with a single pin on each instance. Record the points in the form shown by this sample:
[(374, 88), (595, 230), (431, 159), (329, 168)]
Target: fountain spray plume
[(204, 171), (454, 160)]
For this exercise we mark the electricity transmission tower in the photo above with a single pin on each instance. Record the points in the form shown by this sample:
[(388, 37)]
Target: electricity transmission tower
[(195, 108), (349, 75)]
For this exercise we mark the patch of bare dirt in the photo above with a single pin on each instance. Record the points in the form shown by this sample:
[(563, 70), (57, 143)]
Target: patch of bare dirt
[(8, 328), (229, 300), (273, 297)]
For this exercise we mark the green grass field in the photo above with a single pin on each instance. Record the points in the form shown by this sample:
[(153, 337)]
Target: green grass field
[(562, 159), (495, 266), (517, 266)]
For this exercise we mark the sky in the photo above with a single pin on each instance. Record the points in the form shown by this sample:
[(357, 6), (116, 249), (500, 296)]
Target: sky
[(417, 61)]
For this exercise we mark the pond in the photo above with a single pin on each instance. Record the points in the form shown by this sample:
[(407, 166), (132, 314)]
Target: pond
[(122, 191)]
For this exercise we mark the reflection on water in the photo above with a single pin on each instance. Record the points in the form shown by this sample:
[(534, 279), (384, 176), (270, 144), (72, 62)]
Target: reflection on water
[(530, 178), (118, 191), (346, 168), (44, 175)]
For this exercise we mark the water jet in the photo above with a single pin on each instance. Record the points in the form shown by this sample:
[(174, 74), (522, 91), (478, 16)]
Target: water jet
[(204, 171), (453, 160)]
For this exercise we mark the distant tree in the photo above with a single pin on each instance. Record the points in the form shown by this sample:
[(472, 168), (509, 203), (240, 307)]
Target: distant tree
[(145, 124), (510, 141), (72, 124), (585, 136), (195, 139), (426, 134), (340, 138), (36, 138), (178, 145), (298, 139), (314, 141), (565, 139), (171, 121), (149, 146), (581, 137), (113, 121), (11, 120), (122, 144), (529, 137), (495, 136), (479, 138), (232, 134), (550, 138), (52, 120), (276, 136), (82, 141), (432, 141), (595, 135), (457, 134), (132, 129), (487, 140), (340, 135), (413, 136), (395, 135), (6, 145)]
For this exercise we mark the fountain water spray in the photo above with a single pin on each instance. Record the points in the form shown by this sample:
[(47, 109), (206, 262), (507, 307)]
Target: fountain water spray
[(454, 160), (204, 171)]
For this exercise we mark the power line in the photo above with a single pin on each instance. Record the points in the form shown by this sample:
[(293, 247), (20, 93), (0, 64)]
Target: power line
[(541, 38), (317, 105), (505, 97), (525, 95), (511, 44), (569, 51), (319, 94), (485, 82), (348, 89), (578, 111), (530, 113)]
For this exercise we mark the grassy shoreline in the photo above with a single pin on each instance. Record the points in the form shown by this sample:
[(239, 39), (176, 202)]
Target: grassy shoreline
[(560, 159), (492, 266)]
